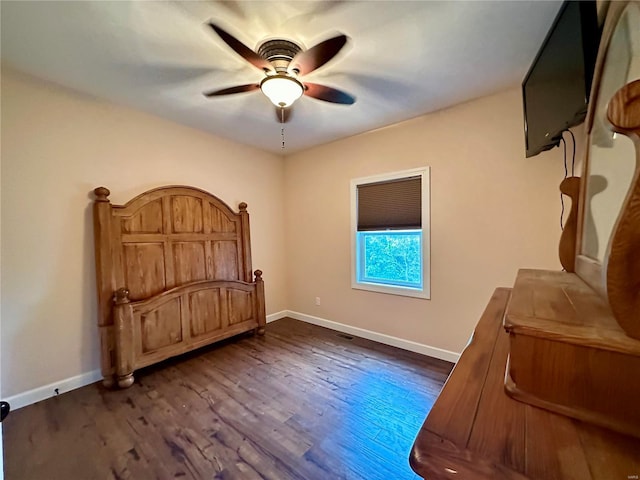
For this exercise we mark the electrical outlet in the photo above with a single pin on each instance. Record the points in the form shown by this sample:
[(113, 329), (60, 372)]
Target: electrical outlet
[(317, 300)]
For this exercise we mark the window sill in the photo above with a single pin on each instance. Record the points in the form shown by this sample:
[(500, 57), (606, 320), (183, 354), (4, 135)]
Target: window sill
[(390, 290)]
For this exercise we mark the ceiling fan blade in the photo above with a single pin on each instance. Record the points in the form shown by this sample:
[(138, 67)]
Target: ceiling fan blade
[(242, 50), (328, 94), (308, 60), (283, 114), (228, 91)]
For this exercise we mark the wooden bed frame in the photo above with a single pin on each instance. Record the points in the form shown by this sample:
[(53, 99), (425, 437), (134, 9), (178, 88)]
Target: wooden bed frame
[(173, 268)]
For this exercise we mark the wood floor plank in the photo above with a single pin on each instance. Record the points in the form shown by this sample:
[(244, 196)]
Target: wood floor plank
[(301, 403)]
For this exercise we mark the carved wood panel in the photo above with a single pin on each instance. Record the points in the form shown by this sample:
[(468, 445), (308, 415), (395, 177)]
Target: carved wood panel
[(161, 327), (240, 306), (225, 261), (146, 220), (144, 269), (205, 312), (186, 214), (188, 262), (220, 223)]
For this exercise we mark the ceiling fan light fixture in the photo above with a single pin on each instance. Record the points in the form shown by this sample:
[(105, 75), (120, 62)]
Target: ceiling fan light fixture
[(282, 90)]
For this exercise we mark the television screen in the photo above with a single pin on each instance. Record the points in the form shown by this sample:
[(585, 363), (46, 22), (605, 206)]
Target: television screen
[(556, 88)]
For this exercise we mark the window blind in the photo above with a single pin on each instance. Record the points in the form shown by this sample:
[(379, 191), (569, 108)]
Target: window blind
[(391, 204)]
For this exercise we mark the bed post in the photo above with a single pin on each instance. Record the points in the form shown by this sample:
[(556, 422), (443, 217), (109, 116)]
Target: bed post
[(104, 275), (246, 242), (123, 323), (260, 308)]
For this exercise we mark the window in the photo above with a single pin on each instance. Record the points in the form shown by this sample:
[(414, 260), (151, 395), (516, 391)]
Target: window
[(390, 233)]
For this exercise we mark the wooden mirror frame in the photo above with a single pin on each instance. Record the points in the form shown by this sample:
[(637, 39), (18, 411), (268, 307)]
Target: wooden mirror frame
[(617, 278)]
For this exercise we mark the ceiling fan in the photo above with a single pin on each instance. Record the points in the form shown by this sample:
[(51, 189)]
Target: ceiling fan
[(283, 62)]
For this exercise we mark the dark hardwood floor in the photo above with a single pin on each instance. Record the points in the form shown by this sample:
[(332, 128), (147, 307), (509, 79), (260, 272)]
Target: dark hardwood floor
[(303, 402)]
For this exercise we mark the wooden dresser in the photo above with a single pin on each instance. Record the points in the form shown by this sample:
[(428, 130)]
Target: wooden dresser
[(476, 431)]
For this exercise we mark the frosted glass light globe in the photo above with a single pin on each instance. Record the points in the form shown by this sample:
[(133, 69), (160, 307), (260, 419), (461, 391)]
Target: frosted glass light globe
[(282, 90)]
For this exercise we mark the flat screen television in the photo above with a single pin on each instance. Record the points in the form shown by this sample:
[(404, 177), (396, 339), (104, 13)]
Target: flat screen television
[(556, 88)]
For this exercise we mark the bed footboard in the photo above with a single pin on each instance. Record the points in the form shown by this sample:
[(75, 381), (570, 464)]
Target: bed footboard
[(182, 319)]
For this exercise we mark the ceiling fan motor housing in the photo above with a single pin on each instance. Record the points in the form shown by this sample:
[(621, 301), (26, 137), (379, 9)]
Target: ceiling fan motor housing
[(279, 53)]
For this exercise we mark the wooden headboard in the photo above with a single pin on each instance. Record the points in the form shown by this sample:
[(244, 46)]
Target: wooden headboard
[(166, 238)]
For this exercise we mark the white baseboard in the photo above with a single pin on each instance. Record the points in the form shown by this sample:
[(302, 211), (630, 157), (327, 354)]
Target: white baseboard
[(277, 316), (47, 391), (378, 337)]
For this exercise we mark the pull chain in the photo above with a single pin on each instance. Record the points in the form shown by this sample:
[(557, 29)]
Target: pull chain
[(282, 128)]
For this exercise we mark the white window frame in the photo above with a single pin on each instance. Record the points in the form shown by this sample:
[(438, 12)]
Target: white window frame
[(425, 291)]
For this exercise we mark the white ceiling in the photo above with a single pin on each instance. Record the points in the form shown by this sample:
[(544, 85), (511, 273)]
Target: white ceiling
[(404, 59)]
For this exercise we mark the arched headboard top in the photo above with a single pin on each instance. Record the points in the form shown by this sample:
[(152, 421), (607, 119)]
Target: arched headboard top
[(142, 199)]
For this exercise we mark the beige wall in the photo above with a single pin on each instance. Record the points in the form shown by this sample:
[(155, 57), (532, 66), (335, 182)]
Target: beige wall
[(56, 147), (492, 212)]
